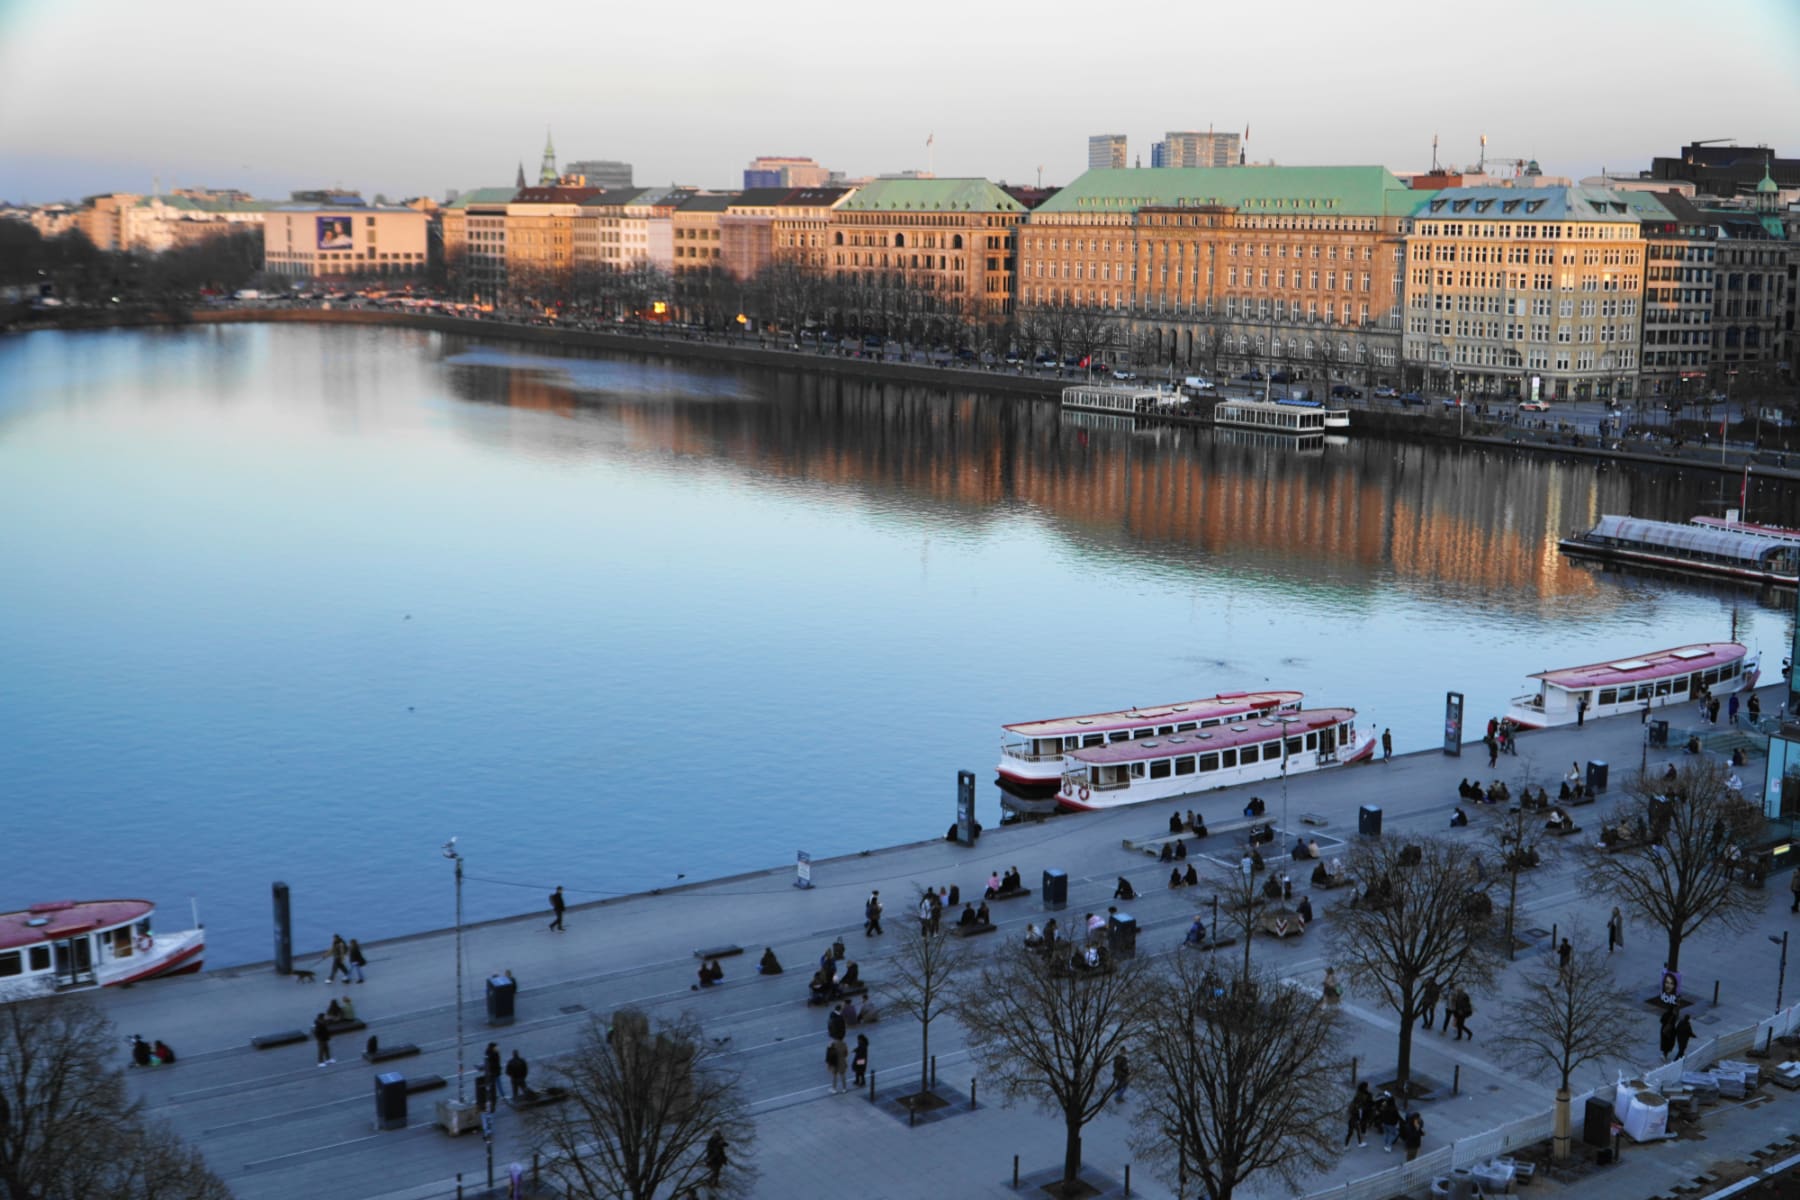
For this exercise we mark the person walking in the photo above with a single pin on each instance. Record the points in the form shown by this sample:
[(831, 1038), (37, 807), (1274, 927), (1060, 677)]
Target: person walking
[(1684, 1033), (1731, 708), (322, 1038), (1121, 1076), (516, 1071), (1356, 1120), (859, 1058), (556, 906), (339, 949), (490, 1067), (1755, 708), (1412, 1134), (1615, 928), (1581, 703), (1462, 1008), (1493, 748), (716, 1158), (837, 1060), (1564, 953), (834, 1023), (1387, 745), (357, 961), (925, 905), (1429, 994), (872, 914), (1387, 1115)]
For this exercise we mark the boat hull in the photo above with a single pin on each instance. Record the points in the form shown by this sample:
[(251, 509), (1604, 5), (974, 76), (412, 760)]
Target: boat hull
[(1179, 787)]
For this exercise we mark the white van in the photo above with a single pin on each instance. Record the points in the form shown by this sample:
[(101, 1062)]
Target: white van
[(1197, 383)]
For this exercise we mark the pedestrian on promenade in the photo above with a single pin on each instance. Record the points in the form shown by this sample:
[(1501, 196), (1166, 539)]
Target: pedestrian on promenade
[(1430, 994), (1731, 708), (1412, 1134), (1462, 1008), (1580, 711), (339, 949), (1387, 744), (1615, 928), (357, 961), (872, 914), (1755, 709), (1564, 953), (837, 1060), (925, 906), (1387, 1115), (1121, 1076), (322, 1038), (1362, 1106), (556, 906), (859, 1058), (1712, 711), (1684, 1033), (716, 1159), (516, 1071), (490, 1066), (1493, 748), (834, 1023)]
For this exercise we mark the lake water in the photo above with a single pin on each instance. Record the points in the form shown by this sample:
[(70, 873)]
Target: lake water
[(301, 603)]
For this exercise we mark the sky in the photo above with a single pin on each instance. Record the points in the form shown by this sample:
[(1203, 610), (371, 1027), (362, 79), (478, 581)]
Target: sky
[(405, 98)]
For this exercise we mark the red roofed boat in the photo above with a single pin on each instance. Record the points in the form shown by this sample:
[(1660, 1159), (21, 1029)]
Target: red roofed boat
[(1626, 685), (66, 945)]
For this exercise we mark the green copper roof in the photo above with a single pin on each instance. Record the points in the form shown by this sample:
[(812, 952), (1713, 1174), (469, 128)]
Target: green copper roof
[(1766, 183), (488, 195), (1647, 206), (930, 195), (1311, 191)]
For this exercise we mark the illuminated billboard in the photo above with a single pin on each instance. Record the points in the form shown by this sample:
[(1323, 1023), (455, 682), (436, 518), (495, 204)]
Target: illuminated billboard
[(334, 233)]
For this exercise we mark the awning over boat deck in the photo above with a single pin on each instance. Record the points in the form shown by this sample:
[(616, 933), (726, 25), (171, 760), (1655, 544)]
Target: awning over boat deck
[(1692, 539)]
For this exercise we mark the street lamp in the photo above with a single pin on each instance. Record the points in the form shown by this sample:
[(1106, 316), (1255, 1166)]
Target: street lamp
[(451, 854), (1781, 979)]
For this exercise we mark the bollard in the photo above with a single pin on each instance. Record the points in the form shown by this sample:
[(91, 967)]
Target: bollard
[(972, 1103), (871, 1087), (459, 1195), (1456, 1080), (1553, 942), (1128, 1179), (1015, 1172), (912, 1115), (1715, 1002), (934, 1070)]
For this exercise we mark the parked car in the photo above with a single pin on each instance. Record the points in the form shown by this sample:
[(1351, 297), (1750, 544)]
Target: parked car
[(1411, 400), (1198, 383), (1250, 377), (1345, 392), (1533, 406), (1384, 392), (1123, 375), (1455, 402), (1280, 377)]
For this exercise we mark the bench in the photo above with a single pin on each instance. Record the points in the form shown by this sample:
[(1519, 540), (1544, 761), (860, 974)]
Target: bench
[(859, 988), (425, 1083), (534, 1098), (971, 930), (719, 952), (388, 1053), (286, 1037), (1017, 893), (345, 1025)]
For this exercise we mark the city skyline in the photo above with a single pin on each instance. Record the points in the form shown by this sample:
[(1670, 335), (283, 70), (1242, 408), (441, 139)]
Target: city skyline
[(417, 100)]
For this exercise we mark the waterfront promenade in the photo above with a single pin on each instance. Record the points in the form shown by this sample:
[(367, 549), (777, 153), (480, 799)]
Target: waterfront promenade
[(276, 1126)]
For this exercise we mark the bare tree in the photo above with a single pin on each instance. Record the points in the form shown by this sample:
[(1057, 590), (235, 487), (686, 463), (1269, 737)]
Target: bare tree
[(643, 1107), (1048, 1032), (928, 970), (1241, 1076), (67, 1127), (1683, 874), (1422, 911), (1566, 1018), (1518, 839)]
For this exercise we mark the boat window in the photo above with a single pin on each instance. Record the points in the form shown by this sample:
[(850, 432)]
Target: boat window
[(1729, 672), (1662, 687), (1711, 676), (1071, 743), (11, 964), (40, 958), (1228, 758), (1608, 696), (1119, 735), (1312, 741), (1137, 770), (1293, 745), (1159, 769), (1138, 733), (1184, 765), (1186, 727), (1209, 762), (1165, 730), (1092, 739), (1681, 684), (1626, 695)]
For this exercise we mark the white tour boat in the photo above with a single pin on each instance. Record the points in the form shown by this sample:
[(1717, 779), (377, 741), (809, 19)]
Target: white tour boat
[(1181, 764), (1122, 401), (1031, 752), (65, 945), (1664, 677), (1292, 417)]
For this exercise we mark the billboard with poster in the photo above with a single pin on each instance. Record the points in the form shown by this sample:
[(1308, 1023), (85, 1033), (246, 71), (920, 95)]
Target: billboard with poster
[(334, 233)]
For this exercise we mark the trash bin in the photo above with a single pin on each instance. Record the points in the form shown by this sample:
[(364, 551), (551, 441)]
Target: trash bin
[(1056, 889), (1659, 732), (390, 1101), (501, 991), (1596, 1122), (1121, 935), (1368, 820), (1596, 777)]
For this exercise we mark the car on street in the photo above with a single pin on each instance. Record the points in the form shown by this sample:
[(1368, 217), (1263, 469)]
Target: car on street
[(1198, 383), (1250, 377), (1533, 406), (1411, 400), (1345, 392), (1123, 375), (1384, 392)]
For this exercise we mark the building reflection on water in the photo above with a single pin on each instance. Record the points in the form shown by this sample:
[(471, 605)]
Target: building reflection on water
[(1478, 520)]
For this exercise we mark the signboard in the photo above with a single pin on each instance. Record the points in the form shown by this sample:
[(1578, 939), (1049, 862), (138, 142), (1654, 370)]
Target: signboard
[(965, 807), (1537, 386), (334, 232), (1453, 723), (802, 869)]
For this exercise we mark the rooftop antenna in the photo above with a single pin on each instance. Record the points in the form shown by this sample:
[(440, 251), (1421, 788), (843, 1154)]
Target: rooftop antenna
[(1040, 174), (1434, 161), (1481, 163), (930, 155)]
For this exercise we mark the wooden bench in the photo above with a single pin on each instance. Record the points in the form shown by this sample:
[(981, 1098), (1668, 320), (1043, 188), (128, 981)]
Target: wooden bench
[(425, 1083), (534, 1098), (1562, 830), (973, 929), (388, 1053), (719, 952), (859, 988), (286, 1037), (345, 1025), (1018, 893)]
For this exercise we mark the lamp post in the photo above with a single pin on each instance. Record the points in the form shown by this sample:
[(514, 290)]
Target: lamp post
[(451, 854), (1781, 978)]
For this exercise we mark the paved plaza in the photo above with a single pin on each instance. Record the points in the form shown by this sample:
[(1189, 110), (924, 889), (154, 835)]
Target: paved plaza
[(276, 1126)]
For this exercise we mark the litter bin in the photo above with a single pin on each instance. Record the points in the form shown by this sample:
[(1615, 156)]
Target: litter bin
[(1368, 820), (1056, 889), (1596, 1122), (1121, 935), (390, 1101), (1659, 732), (1596, 777), (501, 991)]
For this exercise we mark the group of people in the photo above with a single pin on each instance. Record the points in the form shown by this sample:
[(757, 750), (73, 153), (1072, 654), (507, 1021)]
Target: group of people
[(150, 1054), (1187, 878), (487, 1083), (1458, 1008), (1002, 885), (711, 973), (831, 981), (1367, 1109), (1677, 1031), (1192, 823), (346, 957), (1495, 792), (840, 1060), (1174, 851), (1500, 739), (974, 918)]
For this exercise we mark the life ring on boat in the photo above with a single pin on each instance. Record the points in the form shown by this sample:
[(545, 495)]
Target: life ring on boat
[(1066, 789), (1084, 791), (144, 942)]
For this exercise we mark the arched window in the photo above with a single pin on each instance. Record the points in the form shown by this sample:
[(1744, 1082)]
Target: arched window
[(838, 238), (899, 239), (956, 242)]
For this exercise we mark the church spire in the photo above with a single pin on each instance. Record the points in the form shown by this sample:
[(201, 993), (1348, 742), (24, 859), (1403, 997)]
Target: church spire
[(547, 174), (519, 183)]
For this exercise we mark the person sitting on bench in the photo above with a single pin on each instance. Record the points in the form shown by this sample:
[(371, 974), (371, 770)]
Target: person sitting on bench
[(711, 972), (1175, 821), (968, 916), (1256, 860), (1192, 878), (1123, 891), (1458, 819), (1256, 807), (1299, 851), (1181, 847), (1009, 882), (1033, 938), (1305, 909), (821, 986), (1174, 877), (993, 885), (334, 1011), (852, 1014), (1196, 932), (1671, 774), (981, 915), (770, 965), (1693, 745), (1168, 852), (1198, 825), (852, 977), (1559, 822)]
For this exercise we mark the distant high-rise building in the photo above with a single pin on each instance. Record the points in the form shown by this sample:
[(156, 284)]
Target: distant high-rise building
[(778, 170), (1194, 149), (1106, 151), (1159, 154), (601, 173)]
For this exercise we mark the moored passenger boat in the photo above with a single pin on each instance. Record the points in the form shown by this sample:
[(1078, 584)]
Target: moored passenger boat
[(1031, 752), (1292, 417), (1690, 549), (1182, 764), (1626, 685), (66, 945), (1125, 401)]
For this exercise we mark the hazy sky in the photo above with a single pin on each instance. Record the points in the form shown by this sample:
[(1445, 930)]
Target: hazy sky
[(404, 98)]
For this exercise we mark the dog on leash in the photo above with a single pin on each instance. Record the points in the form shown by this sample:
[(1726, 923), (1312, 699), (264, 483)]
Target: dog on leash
[(302, 975)]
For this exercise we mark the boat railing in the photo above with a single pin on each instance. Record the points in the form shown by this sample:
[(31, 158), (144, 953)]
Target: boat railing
[(1534, 700), (1019, 752)]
